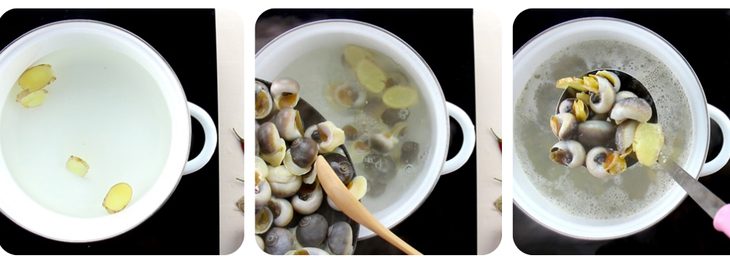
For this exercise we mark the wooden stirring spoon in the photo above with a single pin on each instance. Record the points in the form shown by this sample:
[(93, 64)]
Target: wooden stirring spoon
[(349, 205)]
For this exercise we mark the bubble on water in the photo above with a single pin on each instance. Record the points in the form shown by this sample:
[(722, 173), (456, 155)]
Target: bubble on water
[(617, 180), (422, 156), (409, 169)]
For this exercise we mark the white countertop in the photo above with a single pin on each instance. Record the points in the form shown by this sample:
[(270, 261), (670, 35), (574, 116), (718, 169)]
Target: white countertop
[(487, 66), (230, 53)]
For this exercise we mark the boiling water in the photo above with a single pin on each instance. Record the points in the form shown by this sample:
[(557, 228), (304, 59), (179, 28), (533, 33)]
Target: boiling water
[(323, 67), (103, 107), (575, 190)]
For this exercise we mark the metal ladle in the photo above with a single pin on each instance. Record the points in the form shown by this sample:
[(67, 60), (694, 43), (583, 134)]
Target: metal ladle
[(710, 203), (628, 83)]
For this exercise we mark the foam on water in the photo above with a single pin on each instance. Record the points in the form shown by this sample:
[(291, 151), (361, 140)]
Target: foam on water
[(575, 190)]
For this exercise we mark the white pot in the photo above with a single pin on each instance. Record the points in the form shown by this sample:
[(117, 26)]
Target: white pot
[(117, 104), (557, 38), (272, 59)]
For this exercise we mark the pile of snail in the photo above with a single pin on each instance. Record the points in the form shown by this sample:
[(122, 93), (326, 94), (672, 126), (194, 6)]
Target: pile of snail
[(290, 215), (596, 127)]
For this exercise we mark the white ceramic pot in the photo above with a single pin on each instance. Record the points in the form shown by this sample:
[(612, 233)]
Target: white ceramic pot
[(272, 59), (117, 104), (556, 39)]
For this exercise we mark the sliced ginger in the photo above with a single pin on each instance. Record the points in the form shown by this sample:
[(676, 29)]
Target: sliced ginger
[(354, 54), (579, 84), (36, 78), (32, 82), (400, 97), (30, 99), (117, 198), (77, 166), (371, 76), (648, 142), (580, 110)]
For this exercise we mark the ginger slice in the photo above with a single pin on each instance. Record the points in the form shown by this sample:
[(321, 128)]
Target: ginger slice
[(77, 166), (117, 198), (36, 78)]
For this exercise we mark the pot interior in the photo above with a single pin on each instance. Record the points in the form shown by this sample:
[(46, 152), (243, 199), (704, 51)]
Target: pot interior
[(104, 107), (571, 201), (319, 72)]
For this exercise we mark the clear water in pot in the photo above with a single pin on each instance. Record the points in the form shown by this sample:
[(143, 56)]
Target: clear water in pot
[(323, 67), (103, 107)]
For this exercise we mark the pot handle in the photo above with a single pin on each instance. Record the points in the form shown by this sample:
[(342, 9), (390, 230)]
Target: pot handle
[(211, 139), (467, 147), (721, 159)]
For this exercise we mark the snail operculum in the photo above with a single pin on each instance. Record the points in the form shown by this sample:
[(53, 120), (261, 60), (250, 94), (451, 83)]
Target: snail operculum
[(348, 96), (285, 93), (615, 163), (264, 103), (603, 163), (264, 220), (569, 153)]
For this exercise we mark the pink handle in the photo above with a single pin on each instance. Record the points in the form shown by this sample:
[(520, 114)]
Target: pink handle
[(722, 220)]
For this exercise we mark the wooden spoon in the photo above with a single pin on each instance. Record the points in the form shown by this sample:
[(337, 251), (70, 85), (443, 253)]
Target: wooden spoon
[(341, 196)]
